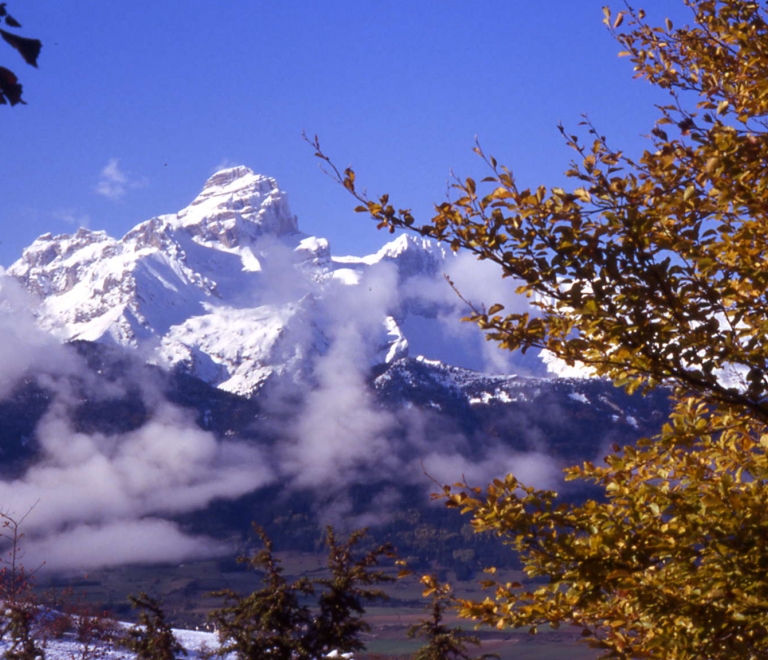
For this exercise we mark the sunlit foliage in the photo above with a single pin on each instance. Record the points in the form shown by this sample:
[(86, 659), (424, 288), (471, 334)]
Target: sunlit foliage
[(651, 271)]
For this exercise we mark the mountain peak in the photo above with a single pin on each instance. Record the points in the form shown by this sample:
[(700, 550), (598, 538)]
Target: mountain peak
[(229, 175), (236, 204), (414, 255)]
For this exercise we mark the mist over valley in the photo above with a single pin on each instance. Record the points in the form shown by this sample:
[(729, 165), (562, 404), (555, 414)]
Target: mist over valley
[(217, 366)]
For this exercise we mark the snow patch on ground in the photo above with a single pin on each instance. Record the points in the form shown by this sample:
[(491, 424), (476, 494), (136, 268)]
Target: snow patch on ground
[(197, 643), (578, 396)]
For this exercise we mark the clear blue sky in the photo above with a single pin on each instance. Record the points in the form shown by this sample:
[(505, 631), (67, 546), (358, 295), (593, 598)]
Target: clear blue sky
[(163, 92)]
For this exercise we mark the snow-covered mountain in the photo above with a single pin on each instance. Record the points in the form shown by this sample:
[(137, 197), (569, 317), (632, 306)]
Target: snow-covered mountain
[(228, 289)]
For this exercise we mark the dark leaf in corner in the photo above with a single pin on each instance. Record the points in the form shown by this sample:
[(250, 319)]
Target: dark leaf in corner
[(10, 89), (29, 49)]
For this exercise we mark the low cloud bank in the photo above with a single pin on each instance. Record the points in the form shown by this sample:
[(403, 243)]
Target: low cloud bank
[(97, 499), (342, 436), (146, 540), (107, 499)]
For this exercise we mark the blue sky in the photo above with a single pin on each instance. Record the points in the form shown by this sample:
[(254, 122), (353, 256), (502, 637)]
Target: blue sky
[(136, 103)]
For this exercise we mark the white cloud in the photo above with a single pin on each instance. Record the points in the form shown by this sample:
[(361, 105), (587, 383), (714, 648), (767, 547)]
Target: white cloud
[(531, 468), (102, 499), (114, 183), (72, 217), (109, 493), (168, 465), (445, 336), (341, 433), (23, 346), (116, 543)]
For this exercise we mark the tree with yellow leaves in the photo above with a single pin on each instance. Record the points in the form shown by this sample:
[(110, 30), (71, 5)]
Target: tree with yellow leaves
[(650, 272)]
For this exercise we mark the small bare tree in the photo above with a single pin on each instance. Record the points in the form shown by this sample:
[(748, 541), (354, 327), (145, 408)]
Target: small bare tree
[(19, 607), (70, 615)]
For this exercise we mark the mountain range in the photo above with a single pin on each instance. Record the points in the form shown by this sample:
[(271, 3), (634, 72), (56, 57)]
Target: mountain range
[(227, 289), (218, 365)]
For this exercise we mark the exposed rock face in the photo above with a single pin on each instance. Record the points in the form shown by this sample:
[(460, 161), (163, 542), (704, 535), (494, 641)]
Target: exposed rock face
[(237, 206)]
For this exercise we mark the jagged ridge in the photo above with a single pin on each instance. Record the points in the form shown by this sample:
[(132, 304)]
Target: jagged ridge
[(227, 289)]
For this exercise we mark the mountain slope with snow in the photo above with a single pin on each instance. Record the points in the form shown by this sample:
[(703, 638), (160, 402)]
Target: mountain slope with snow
[(227, 289)]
